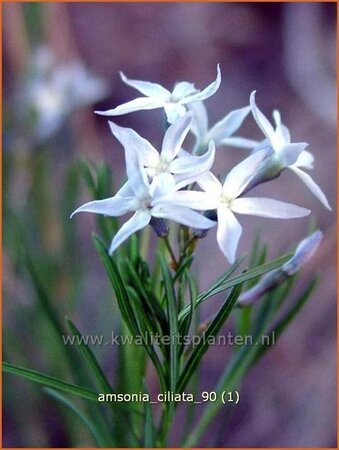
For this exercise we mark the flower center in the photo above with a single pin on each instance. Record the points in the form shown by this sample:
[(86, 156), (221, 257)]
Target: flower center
[(146, 203), (226, 201), (161, 167)]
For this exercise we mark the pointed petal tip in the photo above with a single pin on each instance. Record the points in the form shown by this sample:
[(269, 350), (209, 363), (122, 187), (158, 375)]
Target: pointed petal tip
[(252, 100), (102, 113), (75, 212)]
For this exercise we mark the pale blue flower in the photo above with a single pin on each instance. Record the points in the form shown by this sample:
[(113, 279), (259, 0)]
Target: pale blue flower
[(226, 200), (287, 155), (145, 200), (222, 132), (156, 96), (172, 159)]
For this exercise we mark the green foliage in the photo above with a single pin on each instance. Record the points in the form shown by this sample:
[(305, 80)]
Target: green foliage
[(160, 299)]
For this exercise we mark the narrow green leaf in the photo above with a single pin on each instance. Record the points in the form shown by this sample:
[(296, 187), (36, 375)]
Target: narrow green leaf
[(46, 304), (117, 284), (142, 332), (104, 180), (249, 275), (144, 319), (150, 303), (193, 294), (212, 330), (184, 264), (254, 273), (101, 441), (91, 360), (49, 381), (87, 170), (173, 321), (149, 432), (134, 249), (240, 364)]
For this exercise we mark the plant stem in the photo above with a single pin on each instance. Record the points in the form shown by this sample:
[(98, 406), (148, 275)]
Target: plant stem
[(145, 240), (228, 381), (174, 263), (166, 421)]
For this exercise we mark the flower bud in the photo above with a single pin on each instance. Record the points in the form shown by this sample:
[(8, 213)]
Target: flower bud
[(304, 252), (160, 227)]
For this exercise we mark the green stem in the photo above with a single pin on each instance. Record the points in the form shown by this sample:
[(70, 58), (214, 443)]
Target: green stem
[(145, 240), (228, 381), (174, 263), (166, 421)]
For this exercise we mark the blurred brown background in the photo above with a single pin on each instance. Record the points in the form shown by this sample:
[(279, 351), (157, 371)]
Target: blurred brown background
[(286, 51)]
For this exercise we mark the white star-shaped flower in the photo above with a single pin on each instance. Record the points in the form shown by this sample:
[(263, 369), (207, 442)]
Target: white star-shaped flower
[(172, 159), (156, 96), (145, 199), (290, 155), (221, 133), (225, 198)]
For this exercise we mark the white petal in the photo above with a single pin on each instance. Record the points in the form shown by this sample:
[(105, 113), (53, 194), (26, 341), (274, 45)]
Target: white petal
[(138, 104), (200, 120), (283, 133), (281, 130), (239, 177), (138, 221), (305, 160), (207, 92), (209, 183), (262, 121), (113, 206), (175, 136), (200, 201), (264, 145), (183, 89), (228, 125), (129, 138), (146, 88), (235, 141), (289, 153), (125, 191), (174, 111), (228, 234), (136, 174), (182, 215), (277, 117), (162, 184), (184, 179), (194, 166), (312, 186), (267, 207)]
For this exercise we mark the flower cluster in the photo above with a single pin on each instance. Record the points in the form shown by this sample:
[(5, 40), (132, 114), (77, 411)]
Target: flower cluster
[(179, 185)]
